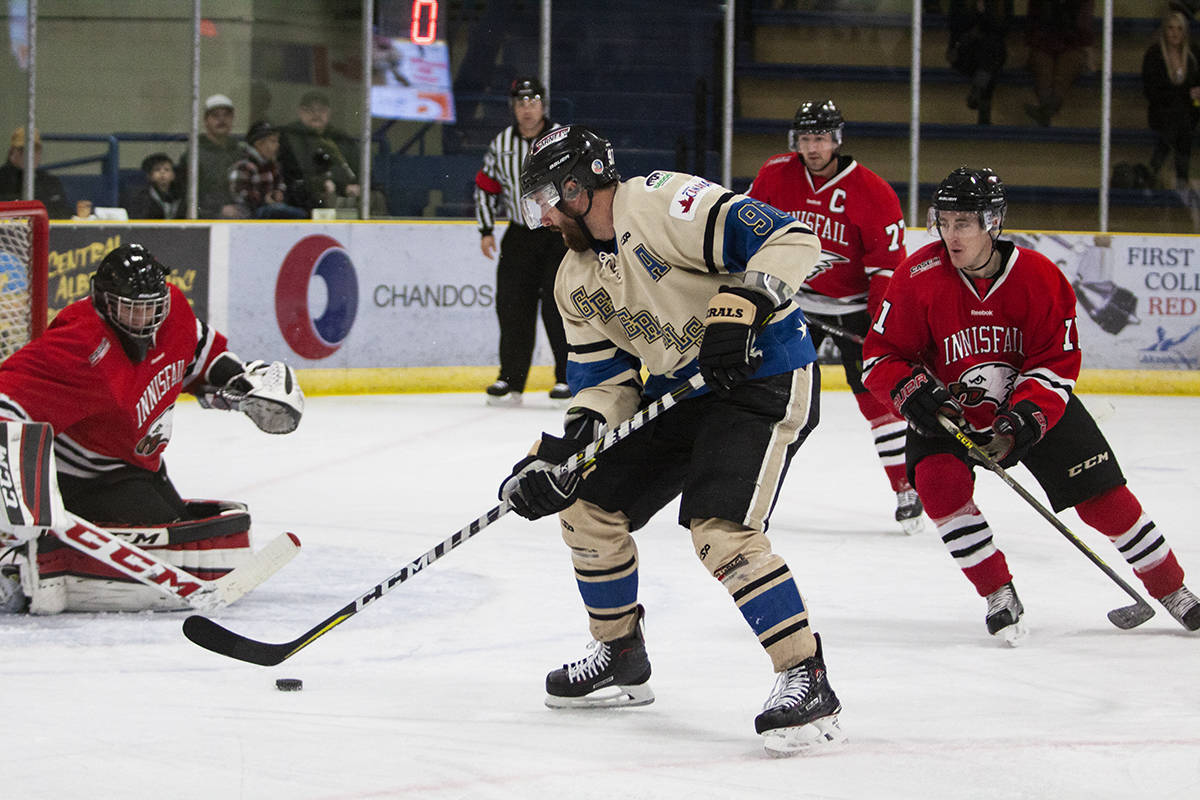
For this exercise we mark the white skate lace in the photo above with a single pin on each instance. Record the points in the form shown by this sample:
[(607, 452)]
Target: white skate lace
[(791, 687), (906, 503), (1000, 600), (590, 665), (1179, 602)]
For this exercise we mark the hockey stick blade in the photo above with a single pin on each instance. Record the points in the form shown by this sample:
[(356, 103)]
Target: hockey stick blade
[(211, 636), (1125, 617)]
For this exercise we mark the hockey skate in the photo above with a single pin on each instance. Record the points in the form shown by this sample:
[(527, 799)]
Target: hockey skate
[(801, 712), (908, 512), (1184, 607), (501, 394), (560, 395), (12, 596), (1004, 615), (613, 674)]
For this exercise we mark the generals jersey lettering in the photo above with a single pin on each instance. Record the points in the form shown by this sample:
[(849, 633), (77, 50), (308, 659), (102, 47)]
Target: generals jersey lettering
[(858, 219), (679, 238), (980, 338), (107, 411)]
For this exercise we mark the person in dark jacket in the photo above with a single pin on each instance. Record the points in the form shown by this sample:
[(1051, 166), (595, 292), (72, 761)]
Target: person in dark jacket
[(46, 187), (157, 199), (1171, 83), (319, 162)]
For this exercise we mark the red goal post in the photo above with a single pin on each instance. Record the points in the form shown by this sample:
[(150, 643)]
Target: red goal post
[(24, 245)]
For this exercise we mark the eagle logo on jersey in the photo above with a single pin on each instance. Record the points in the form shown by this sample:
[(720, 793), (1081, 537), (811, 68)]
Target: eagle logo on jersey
[(157, 435), (825, 263), (985, 383)]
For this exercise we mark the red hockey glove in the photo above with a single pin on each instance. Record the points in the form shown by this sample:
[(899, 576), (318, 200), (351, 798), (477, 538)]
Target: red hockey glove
[(1014, 433), (921, 399)]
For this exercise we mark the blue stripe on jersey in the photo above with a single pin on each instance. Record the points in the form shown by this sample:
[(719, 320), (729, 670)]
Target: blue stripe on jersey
[(777, 604), (582, 374), (610, 594), (747, 225)]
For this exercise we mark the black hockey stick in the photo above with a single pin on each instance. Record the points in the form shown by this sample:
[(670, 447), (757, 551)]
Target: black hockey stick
[(1125, 617), (834, 330), (209, 635)]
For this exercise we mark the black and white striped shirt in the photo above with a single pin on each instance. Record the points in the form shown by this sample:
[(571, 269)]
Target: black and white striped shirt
[(498, 184)]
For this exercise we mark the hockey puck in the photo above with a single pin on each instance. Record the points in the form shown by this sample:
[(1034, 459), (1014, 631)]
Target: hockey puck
[(289, 684)]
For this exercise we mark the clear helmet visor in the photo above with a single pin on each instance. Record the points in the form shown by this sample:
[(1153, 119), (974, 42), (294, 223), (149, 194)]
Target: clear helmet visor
[(940, 223), (140, 318), (537, 202), (835, 135)]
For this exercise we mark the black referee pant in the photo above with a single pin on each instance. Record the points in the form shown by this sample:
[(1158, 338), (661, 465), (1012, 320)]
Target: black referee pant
[(529, 262)]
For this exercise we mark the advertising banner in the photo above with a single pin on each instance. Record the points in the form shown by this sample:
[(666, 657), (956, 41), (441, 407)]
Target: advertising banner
[(76, 251), (363, 295)]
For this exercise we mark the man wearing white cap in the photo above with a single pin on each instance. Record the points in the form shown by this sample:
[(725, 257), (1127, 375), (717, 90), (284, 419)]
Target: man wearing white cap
[(218, 151)]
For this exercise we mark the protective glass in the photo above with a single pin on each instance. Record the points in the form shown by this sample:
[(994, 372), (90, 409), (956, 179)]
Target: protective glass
[(536, 202), (141, 319)]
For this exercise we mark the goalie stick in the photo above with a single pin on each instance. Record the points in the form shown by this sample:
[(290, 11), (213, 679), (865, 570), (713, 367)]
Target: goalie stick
[(1125, 617), (211, 636), (172, 581)]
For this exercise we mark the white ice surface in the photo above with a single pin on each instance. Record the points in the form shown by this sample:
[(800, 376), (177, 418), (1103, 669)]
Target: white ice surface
[(436, 691)]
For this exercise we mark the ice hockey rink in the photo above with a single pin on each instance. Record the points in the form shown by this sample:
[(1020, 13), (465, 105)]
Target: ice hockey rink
[(436, 690)]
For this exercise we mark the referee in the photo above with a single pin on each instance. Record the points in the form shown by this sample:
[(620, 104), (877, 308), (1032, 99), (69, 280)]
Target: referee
[(528, 258)]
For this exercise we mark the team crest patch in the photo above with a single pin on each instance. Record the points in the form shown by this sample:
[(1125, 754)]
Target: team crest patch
[(657, 180), (683, 204)]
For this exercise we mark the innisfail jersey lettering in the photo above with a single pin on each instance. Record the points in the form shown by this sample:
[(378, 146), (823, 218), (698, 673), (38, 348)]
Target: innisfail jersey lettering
[(107, 411), (679, 238), (979, 337), (857, 217)]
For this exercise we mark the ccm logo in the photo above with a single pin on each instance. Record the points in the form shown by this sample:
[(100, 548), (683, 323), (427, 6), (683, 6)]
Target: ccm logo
[(1091, 462), (115, 553)]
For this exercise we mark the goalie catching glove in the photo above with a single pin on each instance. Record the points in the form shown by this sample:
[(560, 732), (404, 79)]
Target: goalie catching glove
[(727, 352), (533, 489), (268, 394)]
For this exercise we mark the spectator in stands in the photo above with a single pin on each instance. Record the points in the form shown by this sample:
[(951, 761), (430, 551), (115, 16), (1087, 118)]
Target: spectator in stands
[(255, 180), (1171, 83), (218, 150), (1059, 33), (319, 162), (158, 198), (977, 48), (46, 187)]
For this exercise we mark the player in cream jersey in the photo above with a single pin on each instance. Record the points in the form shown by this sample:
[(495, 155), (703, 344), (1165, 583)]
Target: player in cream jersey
[(676, 275)]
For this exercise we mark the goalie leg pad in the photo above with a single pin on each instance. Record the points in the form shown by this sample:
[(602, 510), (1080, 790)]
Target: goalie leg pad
[(28, 482), (64, 579)]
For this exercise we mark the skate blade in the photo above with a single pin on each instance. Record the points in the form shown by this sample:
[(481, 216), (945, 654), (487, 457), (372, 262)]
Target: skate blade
[(1013, 635), (913, 525), (505, 400), (811, 737), (608, 697)]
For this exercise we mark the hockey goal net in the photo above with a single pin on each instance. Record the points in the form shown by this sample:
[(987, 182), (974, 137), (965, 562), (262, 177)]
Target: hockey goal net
[(24, 234)]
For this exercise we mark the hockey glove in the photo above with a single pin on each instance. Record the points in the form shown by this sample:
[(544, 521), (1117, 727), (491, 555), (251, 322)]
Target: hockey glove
[(1014, 433), (266, 393), (533, 489), (727, 353), (921, 399)]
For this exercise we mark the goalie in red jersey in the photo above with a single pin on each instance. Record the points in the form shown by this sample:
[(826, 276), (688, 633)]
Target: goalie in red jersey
[(980, 331), (857, 216), (105, 377)]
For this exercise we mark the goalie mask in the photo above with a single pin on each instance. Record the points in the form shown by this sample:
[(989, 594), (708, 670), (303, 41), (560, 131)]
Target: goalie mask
[(129, 290), (965, 189), (560, 166), (816, 116)]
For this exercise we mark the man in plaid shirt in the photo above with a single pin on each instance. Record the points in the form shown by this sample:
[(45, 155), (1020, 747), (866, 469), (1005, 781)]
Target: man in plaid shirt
[(256, 182)]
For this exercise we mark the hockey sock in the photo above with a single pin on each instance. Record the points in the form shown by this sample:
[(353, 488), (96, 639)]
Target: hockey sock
[(889, 430), (945, 487), (1119, 516)]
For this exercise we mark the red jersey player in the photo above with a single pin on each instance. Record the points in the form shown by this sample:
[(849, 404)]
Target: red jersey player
[(981, 331), (857, 217), (105, 377)]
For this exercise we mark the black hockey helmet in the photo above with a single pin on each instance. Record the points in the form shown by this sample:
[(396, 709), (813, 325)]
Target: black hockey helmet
[(129, 289), (817, 116), (527, 86), (966, 189), (560, 165)]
